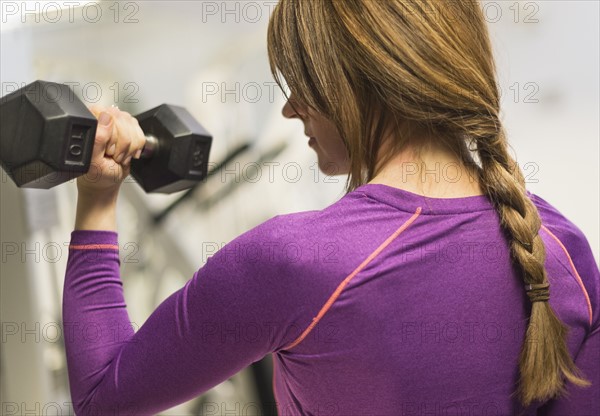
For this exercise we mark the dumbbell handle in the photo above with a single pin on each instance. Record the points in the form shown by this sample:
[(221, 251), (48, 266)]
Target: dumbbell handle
[(150, 148)]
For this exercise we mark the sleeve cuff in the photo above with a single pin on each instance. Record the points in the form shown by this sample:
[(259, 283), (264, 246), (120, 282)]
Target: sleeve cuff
[(86, 237)]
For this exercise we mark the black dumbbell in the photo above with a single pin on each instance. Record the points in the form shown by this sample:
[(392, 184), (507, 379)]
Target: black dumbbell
[(47, 137)]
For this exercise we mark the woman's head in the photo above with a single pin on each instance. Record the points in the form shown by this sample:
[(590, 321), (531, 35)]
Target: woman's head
[(386, 72), (370, 77)]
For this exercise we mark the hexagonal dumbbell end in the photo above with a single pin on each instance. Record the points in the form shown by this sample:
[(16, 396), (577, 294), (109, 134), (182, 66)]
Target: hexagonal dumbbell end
[(180, 158), (46, 135)]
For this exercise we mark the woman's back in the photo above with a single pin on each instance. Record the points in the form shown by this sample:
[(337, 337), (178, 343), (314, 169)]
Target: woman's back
[(411, 305)]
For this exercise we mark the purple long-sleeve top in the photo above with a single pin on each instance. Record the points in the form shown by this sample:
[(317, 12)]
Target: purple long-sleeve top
[(384, 303)]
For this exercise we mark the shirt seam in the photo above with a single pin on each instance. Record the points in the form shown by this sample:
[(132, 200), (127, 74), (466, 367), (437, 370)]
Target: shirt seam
[(577, 278), (425, 213), (340, 288)]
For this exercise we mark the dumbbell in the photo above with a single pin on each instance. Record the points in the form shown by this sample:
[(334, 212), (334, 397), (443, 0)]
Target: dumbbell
[(47, 137)]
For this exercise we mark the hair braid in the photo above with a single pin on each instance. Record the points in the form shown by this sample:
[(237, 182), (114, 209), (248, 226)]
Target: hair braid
[(544, 361)]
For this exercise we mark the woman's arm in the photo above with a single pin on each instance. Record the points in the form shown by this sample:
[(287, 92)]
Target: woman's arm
[(97, 213), (232, 312), (204, 333)]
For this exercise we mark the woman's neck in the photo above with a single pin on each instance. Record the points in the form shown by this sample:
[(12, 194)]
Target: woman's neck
[(430, 172)]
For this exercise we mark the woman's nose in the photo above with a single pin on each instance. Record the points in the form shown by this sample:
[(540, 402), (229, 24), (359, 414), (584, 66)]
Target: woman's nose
[(288, 110), (292, 109)]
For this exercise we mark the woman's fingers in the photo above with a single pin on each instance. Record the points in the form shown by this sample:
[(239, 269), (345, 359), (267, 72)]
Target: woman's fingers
[(103, 134), (141, 140), (109, 138), (126, 139), (119, 142)]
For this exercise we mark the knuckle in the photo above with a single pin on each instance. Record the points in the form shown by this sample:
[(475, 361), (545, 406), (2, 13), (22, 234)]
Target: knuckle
[(124, 145), (115, 133), (112, 110), (102, 136)]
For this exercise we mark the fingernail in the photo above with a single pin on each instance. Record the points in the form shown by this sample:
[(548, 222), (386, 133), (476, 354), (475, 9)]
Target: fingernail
[(138, 154), (127, 161), (119, 158), (104, 119), (111, 150)]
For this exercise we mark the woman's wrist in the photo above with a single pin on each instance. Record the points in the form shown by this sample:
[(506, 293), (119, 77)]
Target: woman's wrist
[(96, 211)]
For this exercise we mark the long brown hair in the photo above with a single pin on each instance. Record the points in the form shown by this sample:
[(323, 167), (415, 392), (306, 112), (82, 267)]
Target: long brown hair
[(413, 66)]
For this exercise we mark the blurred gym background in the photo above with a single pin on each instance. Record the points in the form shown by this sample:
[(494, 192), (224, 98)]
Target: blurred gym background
[(210, 57)]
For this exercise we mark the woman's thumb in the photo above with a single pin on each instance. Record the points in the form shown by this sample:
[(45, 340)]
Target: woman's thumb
[(103, 134), (105, 118)]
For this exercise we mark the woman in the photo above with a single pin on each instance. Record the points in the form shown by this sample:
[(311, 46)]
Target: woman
[(436, 285)]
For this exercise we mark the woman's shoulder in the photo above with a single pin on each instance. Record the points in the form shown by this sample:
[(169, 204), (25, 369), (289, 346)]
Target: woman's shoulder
[(269, 244), (283, 226), (558, 224), (305, 246), (558, 228), (306, 224)]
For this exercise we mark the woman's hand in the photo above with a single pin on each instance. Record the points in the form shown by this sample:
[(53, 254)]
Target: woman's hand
[(119, 138)]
